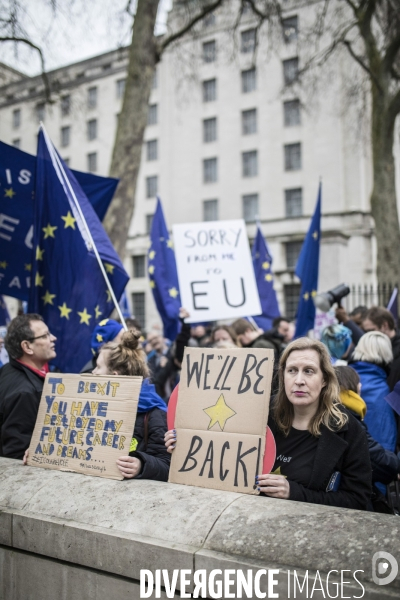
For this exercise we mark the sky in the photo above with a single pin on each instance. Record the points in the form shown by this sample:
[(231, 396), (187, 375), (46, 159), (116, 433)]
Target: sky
[(77, 30)]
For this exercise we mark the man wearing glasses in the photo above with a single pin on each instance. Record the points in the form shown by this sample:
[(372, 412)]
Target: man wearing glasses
[(30, 346)]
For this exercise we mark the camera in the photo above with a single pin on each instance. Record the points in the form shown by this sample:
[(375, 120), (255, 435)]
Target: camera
[(325, 300)]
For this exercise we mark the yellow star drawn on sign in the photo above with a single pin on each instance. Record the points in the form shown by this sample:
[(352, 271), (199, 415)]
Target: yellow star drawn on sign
[(315, 235), (48, 298), (69, 221), (152, 284), (170, 243), (39, 279), (39, 253), (9, 193), (97, 311), (306, 296), (268, 277), (99, 337), (173, 292), (64, 311), (266, 265), (151, 269), (28, 267), (152, 254), (85, 317), (3, 264), (109, 268), (219, 413), (49, 231)]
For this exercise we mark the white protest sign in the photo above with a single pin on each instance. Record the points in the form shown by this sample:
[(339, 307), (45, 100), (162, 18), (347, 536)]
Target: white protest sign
[(215, 270)]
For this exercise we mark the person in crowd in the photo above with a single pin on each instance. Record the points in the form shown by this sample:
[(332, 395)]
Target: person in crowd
[(321, 450), (224, 333), (284, 328), (385, 464), (371, 359), (107, 330), (352, 321), (338, 340), (148, 458), (250, 337), (380, 319), (30, 346), (158, 360), (201, 334)]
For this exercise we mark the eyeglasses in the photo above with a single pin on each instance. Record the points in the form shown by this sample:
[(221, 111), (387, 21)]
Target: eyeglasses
[(38, 337)]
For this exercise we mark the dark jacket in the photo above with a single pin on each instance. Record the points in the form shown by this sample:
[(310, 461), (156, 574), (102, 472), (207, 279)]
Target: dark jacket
[(20, 393), (394, 374), (344, 451), (151, 451)]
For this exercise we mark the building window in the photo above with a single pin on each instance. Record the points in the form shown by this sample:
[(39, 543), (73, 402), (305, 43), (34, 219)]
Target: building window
[(209, 90), (249, 121), (292, 254), (66, 161), (40, 111), (92, 97), (120, 88), (290, 29), (210, 170), (209, 20), (292, 294), (139, 266), (92, 129), (249, 81), (152, 150), (16, 118), (209, 51), (139, 307), (250, 164), (292, 157), (210, 210), (16, 143), (65, 136), (250, 207), (152, 115), (65, 106), (210, 130), (248, 40), (92, 162), (151, 186), (291, 113), (294, 202), (149, 221), (154, 84), (290, 70)]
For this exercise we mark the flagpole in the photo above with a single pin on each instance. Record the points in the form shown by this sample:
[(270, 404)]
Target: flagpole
[(55, 156)]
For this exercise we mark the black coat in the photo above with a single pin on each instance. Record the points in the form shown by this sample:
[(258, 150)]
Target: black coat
[(345, 451), (20, 393), (385, 464), (153, 454)]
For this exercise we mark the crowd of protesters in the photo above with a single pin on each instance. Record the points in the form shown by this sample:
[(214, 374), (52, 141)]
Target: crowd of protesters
[(331, 403)]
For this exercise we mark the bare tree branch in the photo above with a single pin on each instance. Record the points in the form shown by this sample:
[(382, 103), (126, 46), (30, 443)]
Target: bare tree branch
[(362, 64), (391, 52)]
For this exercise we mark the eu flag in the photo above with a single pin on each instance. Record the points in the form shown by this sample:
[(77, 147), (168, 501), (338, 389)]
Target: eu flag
[(307, 272), (163, 274), (68, 288), (262, 263)]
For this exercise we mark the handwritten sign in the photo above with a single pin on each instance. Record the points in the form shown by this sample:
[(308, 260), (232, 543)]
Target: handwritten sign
[(215, 271), (84, 423), (221, 418)]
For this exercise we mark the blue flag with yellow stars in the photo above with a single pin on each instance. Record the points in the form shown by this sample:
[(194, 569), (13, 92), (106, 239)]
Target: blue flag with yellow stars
[(163, 274), (68, 288), (307, 272), (262, 263), (17, 186)]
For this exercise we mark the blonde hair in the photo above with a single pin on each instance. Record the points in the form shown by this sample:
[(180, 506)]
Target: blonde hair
[(328, 412), (126, 357), (374, 347)]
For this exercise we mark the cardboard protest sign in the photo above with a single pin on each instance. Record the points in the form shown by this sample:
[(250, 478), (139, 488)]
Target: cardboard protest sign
[(215, 270), (84, 423), (221, 418)]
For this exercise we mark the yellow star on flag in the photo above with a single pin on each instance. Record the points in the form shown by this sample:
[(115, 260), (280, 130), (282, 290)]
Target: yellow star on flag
[(219, 413), (109, 268), (315, 235), (173, 292), (170, 243), (108, 295), (69, 220), (64, 311), (268, 277), (152, 254), (152, 284), (103, 322), (266, 265), (306, 296), (48, 298), (9, 193), (49, 231), (99, 337), (314, 293), (28, 267), (39, 279), (85, 317), (39, 253), (3, 265), (151, 269), (97, 312)]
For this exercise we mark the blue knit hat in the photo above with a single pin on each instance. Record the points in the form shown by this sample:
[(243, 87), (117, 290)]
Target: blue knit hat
[(337, 338), (104, 332)]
